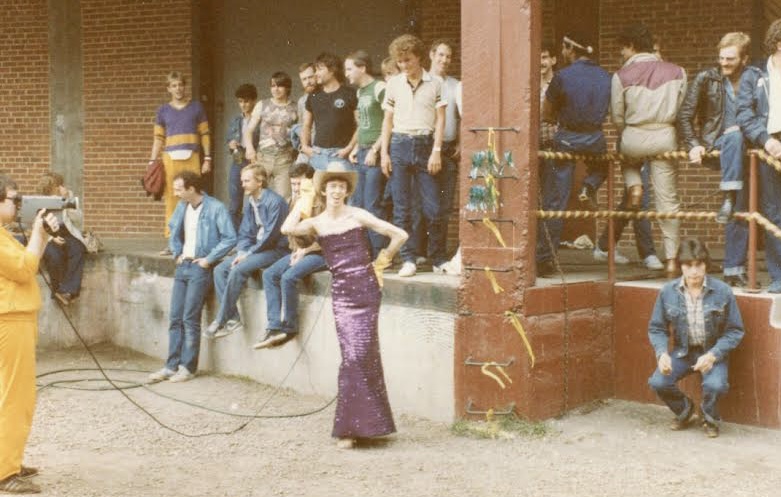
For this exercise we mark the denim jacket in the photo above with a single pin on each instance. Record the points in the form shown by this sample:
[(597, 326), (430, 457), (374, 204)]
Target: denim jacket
[(272, 210), (723, 324), (216, 235), (235, 132), (754, 106)]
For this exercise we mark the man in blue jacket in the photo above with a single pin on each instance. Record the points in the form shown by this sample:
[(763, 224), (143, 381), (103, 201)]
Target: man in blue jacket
[(759, 117), (260, 244), (703, 315), (201, 234)]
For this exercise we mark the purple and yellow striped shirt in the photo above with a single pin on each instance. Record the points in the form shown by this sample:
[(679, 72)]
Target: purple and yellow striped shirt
[(183, 129)]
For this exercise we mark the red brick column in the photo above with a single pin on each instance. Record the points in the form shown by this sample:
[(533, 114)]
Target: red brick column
[(500, 60)]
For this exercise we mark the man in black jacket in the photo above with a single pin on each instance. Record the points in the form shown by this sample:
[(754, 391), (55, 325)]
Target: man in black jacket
[(711, 100)]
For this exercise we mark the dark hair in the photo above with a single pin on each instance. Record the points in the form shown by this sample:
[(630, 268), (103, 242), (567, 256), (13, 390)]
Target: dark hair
[(247, 92), (548, 47), (691, 250), (333, 63), (6, 183), (361, 58), (407, 44), (580, 42), (306, 65), (282, 79), (638, 36), (301, 169), (441, 41), (189, 179)]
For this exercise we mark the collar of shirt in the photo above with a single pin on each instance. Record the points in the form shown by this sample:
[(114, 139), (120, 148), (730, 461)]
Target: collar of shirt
[(682, 284), (641, 57), (423, 77)]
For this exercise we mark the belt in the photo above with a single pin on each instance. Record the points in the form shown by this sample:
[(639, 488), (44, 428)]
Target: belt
[(582, 128), (417, 133)]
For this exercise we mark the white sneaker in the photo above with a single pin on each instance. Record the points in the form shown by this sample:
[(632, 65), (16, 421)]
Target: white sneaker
[(408, 269), (420, 260), (161, 375), (653, 263), (601, 256), (211, 331), (231, 326), (182, 375)]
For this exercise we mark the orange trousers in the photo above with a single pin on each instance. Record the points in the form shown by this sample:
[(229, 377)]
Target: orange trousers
[(18, 334)]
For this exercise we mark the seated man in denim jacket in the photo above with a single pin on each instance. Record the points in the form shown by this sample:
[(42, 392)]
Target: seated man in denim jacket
[(704, 317)]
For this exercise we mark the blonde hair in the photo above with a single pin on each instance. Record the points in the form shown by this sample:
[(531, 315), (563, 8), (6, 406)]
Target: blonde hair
[(389, 66), (50, 182), (175, 76), (407, 45), (258, 172), (736, 39)]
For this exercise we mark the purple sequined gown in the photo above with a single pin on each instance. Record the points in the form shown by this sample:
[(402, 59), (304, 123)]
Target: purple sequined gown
[(362, 408)]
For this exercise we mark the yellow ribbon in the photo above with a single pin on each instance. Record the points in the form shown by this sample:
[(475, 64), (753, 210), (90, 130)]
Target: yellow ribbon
[(492, 227), (492, 279), (513, 319)]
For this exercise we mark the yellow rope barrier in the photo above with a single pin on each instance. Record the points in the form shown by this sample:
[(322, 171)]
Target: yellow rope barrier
[(516, 323), (700, 216), (492, 279), (610, 156), (484, 370)]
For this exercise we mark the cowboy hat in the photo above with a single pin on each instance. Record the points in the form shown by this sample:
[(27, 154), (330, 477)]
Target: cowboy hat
[(335, 170)]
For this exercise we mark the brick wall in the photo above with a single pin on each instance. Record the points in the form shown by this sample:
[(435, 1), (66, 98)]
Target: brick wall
[(128, 47), (24, 90)]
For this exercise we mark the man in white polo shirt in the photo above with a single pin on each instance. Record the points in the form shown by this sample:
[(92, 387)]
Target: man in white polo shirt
[(411, 150)]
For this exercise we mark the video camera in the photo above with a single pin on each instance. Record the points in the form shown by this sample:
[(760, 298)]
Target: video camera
[(29, 205)]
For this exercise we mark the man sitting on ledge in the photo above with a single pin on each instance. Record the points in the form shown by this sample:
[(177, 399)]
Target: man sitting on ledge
[(704, 317), (260, 245)]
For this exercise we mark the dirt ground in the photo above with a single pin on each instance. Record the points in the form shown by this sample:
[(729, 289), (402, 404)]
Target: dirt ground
[(95, 443)]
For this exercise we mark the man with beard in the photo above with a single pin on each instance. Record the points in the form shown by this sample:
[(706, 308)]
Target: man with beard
[(711, 100)]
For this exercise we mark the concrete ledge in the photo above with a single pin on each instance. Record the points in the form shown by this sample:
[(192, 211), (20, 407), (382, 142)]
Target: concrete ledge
[(125, 299)]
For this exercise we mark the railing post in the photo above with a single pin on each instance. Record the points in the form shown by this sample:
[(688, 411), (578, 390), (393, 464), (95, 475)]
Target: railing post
[(752, 223)]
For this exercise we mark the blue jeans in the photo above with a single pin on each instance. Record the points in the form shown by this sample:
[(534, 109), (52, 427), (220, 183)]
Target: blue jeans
[(191, 283), (322, 156), (65, 264), (770, 205), (736, 238), (556, 180), (236, 193), (409, 156), (228, 281), (714, 385), (280, 283), (368, 195), (731, 160), (643, 238)]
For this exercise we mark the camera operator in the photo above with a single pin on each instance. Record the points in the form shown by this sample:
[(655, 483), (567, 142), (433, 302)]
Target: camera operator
[(20, 300), (64, 258)]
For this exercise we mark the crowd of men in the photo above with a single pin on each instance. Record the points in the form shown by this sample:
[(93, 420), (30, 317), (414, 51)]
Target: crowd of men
[(399, 134), (728, 108)]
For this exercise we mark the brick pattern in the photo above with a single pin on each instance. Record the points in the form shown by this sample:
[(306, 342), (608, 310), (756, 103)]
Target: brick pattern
[(128, 48), (24, 91)]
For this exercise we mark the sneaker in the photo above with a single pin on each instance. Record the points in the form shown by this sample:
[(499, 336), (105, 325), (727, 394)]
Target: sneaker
[(27, 472), (211, 331), (653, 263), (601, 256), (408, 269), (420, 260), (161, 375), (231, 326), (16, 485), (588, 196), (182, 375), (736, 280), (273, 338), (166, 252)]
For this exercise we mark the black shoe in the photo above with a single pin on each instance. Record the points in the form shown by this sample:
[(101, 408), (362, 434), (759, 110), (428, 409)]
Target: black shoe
[(588, 196), (736, 280), (274, 338), (711, 430), (727, 208), (545, 268)]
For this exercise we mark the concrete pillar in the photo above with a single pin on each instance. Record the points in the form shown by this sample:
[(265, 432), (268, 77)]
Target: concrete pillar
[(500, 67), (65, 90)]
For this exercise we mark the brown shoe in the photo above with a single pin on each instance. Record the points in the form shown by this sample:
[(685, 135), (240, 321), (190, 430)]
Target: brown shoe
[(15, 485), (27, 472), (711, 430), (635, 197), (671, 269), (682, 424)]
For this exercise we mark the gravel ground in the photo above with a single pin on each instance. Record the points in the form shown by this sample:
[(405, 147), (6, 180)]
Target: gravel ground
[(95, 443)]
